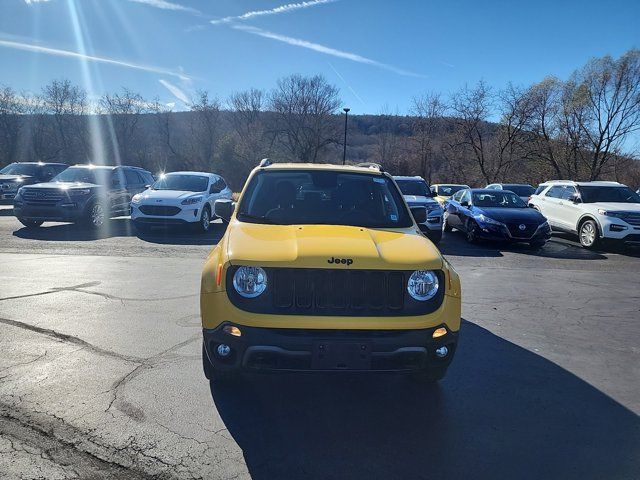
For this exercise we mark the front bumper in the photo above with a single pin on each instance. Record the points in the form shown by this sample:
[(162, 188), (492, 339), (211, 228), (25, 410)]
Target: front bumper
[(270, 349), (619, 230), (69, 212), (500, 233), (187, 214)]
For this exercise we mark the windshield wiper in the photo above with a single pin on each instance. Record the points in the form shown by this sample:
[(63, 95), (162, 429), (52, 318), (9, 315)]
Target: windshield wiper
[(257, 218)]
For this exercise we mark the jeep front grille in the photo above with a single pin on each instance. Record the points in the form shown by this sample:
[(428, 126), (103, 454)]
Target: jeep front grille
[(335, 292)]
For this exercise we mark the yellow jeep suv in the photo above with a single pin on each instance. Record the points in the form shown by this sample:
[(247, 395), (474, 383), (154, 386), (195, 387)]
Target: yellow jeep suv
[(324, 268)]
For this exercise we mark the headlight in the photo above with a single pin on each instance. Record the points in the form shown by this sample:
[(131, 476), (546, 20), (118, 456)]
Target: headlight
[(192, 200), (612, 214), (136, 198), (250, 282), (76, 192), (20, 191), (484, 219), (423, 285)]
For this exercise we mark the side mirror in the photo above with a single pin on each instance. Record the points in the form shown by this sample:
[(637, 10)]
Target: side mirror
[(464, 204), (223, 208), (575, 198), (432, 194), (147, 186), (419, 214)]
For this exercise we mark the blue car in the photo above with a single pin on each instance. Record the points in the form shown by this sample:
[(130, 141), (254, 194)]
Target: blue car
[(498, 215)]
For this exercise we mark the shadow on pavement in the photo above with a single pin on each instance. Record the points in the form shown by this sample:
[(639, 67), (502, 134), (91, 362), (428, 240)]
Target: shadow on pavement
[(454, 243), (121, 227), (502, 412)]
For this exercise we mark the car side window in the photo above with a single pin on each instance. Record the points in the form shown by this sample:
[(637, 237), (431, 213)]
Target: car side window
[(218, 185), (466, 197), (132, 177), (555, 192), (458, 195), (117, 179), (568, 192)]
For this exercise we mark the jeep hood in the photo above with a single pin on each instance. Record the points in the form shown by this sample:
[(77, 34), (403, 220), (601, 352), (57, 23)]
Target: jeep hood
[(313, 246)]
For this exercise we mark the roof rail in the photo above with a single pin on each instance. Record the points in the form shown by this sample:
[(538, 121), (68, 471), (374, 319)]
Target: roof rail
[(265, 162), (373, 165)]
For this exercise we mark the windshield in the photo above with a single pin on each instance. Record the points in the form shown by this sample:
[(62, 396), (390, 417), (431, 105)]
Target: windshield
[(29, 169), (448, 190), (96, 175), (497, 198), (593, 194), (323, 197), (414, 187), (520, 190), (183, 183)]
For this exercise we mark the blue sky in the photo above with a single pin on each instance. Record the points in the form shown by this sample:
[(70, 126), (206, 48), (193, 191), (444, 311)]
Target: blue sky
[(379, 52)]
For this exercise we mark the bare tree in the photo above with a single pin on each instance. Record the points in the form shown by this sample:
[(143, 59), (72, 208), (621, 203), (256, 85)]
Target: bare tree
[(204, 129), (249, 124), (12, 108), (471, 108), (304, 108), (123, 111), (428, 110), (605, 101)]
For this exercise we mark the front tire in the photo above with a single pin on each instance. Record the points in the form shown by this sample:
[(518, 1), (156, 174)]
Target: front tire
[(588, 234), (205, 220), (30, 223), (445, 226), (472, 232), (96, 216)]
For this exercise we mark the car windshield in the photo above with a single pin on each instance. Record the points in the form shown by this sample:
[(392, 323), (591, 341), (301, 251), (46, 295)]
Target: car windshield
[(520, 190), (29, 169), (622, 194), (448, 190), (183, 183), (323, 197), (497, 198), (414, 187), (95, 175)]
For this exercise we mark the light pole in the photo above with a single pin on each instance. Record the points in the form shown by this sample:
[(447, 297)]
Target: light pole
[(344, 151)]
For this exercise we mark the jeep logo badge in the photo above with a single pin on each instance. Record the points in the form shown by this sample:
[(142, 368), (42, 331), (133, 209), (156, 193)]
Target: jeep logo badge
[(346, 261), (522, 227)]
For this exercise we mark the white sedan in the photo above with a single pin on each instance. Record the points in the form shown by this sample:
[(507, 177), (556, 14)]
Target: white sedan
[(179, 198)]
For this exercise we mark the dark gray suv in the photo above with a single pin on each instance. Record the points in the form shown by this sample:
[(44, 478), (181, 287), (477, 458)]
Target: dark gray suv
[(81, 194), (19, 174)]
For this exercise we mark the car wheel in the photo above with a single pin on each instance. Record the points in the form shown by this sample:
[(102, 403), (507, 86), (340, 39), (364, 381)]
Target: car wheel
[(205, 219), (472, 231), (588, 234), (30, 223), (211, 373), (445, 225), (97, 215)]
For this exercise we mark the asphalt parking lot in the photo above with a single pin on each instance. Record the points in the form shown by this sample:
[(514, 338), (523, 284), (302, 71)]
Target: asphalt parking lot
[(101, 377)]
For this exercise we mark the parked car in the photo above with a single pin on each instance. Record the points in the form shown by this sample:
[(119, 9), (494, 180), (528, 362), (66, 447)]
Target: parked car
[(322, 268), (81, 194), (16, 175), (595, 211), (179, 198), (499, 215), (417, 193), (443, 191), (523, 190)]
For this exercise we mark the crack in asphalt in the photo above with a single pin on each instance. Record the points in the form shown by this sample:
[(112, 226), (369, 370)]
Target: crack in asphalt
[(82, 288), (70, 339)]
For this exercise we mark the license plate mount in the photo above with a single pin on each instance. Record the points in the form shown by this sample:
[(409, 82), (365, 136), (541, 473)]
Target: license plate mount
[(332, 355)]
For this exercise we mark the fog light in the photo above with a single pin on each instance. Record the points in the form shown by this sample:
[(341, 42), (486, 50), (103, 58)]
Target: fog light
[(232, 330), (440, 352), (224, 350), (439, 332)]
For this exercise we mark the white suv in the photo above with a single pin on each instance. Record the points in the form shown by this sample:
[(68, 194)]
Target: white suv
[(179, 198), (595, 211)]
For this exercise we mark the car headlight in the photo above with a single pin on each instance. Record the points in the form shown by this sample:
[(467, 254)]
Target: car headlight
[(250, 282), (136, 198), (192, 200), (77, 192), (423, 285), (488, 220), (609, 213), (20, 191)]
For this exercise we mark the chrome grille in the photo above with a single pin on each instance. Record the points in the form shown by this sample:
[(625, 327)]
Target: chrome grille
[(42, 196)]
